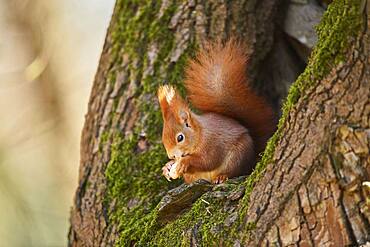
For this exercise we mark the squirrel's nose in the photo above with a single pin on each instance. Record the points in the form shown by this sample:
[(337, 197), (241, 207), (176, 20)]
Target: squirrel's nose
[(175, 154)]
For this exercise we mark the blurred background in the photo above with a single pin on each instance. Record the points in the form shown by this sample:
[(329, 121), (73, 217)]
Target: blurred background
[(49, 52)]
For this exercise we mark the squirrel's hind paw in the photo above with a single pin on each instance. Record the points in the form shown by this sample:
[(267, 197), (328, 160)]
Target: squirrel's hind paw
[(219, 179)]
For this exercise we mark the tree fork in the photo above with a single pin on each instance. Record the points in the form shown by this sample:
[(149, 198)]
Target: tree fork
[(312, 170)]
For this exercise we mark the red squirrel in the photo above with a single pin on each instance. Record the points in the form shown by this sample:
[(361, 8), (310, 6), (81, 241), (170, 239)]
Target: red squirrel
[(225, 140)]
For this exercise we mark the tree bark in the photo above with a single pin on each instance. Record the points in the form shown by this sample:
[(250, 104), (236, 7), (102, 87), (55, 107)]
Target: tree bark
[(313, 187), (307, 190)]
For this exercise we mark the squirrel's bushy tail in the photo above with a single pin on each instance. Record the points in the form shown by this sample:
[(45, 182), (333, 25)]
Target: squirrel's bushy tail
[(216, 81)]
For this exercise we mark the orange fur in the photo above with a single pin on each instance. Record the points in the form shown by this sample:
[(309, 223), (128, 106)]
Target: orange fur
[(235, 124), (216, 82)]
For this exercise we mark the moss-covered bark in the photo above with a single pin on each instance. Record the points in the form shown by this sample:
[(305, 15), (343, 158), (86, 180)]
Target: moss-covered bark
[(295, 159), (148, 43)]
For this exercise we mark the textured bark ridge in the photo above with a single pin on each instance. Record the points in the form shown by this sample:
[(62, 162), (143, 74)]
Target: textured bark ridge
[(310, 188)]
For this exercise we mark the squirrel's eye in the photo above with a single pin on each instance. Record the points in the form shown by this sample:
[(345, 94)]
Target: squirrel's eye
[(180, 137)]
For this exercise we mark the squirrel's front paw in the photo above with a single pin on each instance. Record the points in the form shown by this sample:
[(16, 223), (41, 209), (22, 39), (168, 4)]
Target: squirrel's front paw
[(170, 170), (166, 169)]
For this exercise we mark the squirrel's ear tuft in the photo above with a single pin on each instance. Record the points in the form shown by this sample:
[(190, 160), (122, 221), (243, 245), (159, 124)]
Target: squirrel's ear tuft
[(167, 93)]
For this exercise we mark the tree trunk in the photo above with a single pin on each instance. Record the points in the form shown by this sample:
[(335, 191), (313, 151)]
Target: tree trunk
[(308, 188)]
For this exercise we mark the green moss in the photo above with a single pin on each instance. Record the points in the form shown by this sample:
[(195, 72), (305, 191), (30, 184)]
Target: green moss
[(135, 184)]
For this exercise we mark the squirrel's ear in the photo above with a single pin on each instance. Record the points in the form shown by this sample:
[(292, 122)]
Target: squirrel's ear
[(185, 117)]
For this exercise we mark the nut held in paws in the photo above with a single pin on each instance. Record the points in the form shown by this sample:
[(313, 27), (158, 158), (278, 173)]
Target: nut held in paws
[(173, 171)]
